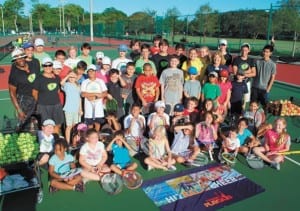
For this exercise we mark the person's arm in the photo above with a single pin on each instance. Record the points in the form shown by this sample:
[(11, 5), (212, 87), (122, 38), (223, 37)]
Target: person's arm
[(35, 94), (109, 146), (122, 81), (162, 89), (13, 96), (53, 174), (103, 159), (156, 93), (139, 93), (84, 164), (251, 73), (270, 84), (168, 150), (234, 69)]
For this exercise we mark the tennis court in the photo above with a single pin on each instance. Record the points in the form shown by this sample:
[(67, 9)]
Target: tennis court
[(281, 187)]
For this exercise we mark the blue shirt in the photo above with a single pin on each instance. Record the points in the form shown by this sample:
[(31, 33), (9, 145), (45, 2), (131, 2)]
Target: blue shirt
[(242, 137), (121, 154), (61, 166), (73, 99)]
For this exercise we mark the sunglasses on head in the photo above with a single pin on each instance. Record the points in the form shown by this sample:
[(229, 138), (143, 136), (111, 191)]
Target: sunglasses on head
[(47, 65)]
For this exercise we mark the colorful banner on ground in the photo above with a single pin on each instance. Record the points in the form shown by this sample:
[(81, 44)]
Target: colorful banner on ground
[(208, 187)]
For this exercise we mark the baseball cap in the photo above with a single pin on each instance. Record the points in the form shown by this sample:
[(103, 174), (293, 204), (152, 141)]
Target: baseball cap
[(192, 70), (106, 60), (178, 108), (48, 122), (160, 104), (224, 73), (91, 67), (47, 60), (245, 45), (17, 54), (27, 45), (99, 55), (57, 65), (123, 48), (213, 73), (39, 42), (222, 42)]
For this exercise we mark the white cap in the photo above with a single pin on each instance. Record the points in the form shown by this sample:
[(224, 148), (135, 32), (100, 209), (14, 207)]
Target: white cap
[(47, 60), (222, 42), (106, 60), (160, 104), (39, 42), (48, 122), (57, 65), (17, 54), (99, 55), (91, 67), (215, 74)]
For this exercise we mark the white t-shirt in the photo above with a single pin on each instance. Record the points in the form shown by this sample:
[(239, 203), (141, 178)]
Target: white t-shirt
[(92, 156), (136, 128), (72, 63), (88, 105), (46, 142), (120, 64), (158, 121), (232, 144), (180, 143)]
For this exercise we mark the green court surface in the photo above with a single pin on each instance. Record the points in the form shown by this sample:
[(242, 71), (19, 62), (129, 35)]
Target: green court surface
[(281, 187)]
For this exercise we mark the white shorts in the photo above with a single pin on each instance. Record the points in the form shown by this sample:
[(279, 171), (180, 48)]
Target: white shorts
[(72, 118), (247, 96)]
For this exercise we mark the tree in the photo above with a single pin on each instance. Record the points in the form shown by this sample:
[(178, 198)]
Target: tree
[(72, 14), (12, 10), (40, 12), (139, 22)]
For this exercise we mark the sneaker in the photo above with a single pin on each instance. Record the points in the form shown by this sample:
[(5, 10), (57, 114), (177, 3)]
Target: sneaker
[(172, 168), (275, 165), (52, 189), (80, 187), (40, 196)]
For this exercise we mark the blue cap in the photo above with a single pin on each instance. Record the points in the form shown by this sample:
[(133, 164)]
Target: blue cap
[(27, 45), (123, 48), (178, 108), (192, 70)]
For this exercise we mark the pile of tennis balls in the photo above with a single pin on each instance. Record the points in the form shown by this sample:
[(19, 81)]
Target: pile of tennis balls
[(16, 148)]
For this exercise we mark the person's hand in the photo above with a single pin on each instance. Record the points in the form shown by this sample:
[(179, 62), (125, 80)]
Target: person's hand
[(109, 97), (21, 115)]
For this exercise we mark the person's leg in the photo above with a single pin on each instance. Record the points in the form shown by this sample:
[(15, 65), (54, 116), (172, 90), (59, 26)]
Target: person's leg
[(154, 163), (259, 151)]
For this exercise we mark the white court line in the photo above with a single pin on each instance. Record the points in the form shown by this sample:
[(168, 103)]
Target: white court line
[(292, 160), (2, 99)]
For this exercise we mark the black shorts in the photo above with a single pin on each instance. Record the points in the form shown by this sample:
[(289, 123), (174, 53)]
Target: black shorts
[(90, 121), (54, 112)]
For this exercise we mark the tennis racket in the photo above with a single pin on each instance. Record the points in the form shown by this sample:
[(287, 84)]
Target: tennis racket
[(132, 179), (201, 160), (111, 183), (93, 87), (72, 173), (229, 158), (289, 152), (134, 143), (254, 161)]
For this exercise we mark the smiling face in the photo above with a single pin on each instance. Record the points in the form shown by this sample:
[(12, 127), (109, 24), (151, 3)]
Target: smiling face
[(193, 54), (280, 125)]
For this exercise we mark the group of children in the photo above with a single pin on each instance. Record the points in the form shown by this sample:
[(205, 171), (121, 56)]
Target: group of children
[(175, 106)]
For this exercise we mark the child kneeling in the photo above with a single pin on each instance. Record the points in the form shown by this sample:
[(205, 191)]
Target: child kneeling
[(60, 163)]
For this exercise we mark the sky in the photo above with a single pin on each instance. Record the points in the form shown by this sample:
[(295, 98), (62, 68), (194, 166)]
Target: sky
[(186, 7)]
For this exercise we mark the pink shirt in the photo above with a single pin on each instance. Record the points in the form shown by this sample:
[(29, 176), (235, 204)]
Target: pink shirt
[(271, 137), (225, 87), (205, 133)]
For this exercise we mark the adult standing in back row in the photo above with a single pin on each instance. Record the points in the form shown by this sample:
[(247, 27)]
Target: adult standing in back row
[(265, 76), (162, 59)]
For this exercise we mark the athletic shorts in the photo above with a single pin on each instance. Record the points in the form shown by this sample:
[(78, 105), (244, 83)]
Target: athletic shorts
[(54, 112), (72, 118), (90, 121)]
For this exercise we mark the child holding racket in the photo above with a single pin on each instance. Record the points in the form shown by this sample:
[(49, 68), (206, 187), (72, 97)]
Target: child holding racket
[(120, 150), (231, 143), (206, 132), (160, 155), (60, 163), (92, 157), (277, 140)]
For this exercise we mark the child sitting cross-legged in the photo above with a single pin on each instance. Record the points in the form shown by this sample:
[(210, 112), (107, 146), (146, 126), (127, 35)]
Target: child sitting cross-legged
[(160, 155), (230, 143), (60, 163), (120, 150), (184, 147)]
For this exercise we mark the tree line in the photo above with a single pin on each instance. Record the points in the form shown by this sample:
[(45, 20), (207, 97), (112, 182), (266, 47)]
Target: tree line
[(281, 20)]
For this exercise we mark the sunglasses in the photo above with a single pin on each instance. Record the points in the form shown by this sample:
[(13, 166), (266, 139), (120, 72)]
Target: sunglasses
[(48, 65)]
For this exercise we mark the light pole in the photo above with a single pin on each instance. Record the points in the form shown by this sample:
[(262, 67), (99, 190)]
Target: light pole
[(3, 30), (91, 21), (63, 15)]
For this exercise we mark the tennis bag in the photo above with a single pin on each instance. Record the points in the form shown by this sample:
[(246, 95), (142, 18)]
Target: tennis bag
[(255, 162)]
